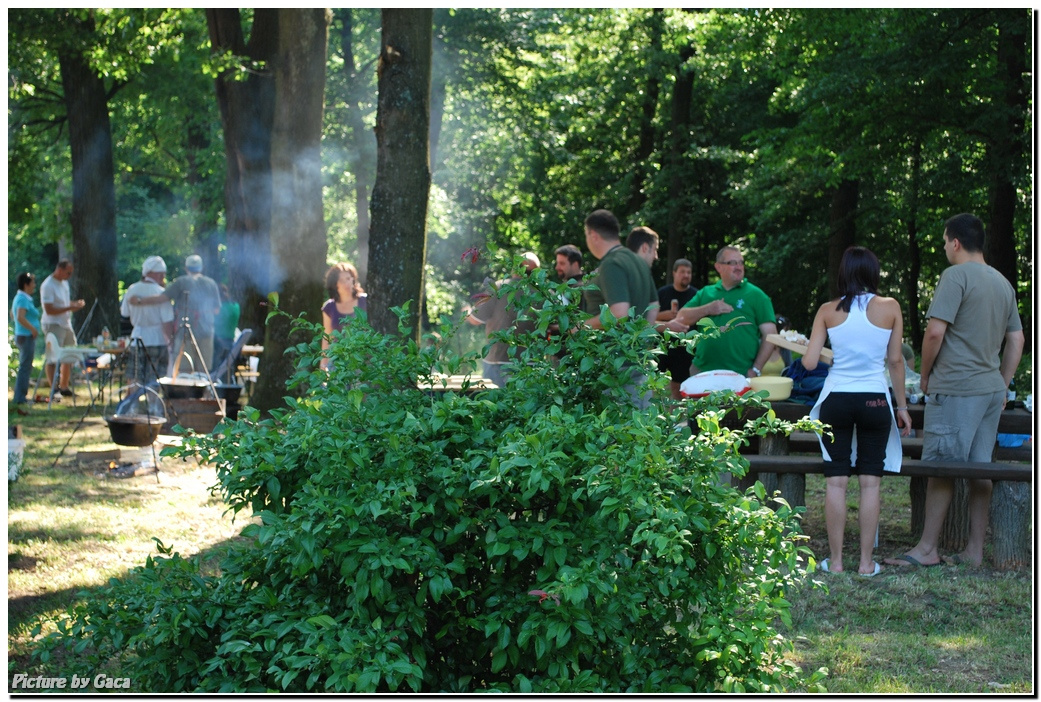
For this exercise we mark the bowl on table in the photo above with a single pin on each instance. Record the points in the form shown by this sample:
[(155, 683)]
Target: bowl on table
[(779, 387), (707, 382)]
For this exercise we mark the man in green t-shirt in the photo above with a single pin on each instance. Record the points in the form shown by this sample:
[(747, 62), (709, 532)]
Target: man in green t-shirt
[(742, 347)]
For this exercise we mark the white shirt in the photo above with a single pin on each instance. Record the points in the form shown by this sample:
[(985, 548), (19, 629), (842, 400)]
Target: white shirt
[(56, 292), (860, 360), (147, 319)]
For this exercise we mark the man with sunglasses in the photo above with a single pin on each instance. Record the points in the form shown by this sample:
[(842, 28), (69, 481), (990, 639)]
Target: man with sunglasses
[(742, 347)]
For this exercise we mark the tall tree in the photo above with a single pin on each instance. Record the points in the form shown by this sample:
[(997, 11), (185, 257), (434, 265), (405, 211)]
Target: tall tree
[(842, 229), (96, 53), (1007, 146), (678, 231), (93, 187), (360, 142), (246, 97), (397, 250), (296, 186)]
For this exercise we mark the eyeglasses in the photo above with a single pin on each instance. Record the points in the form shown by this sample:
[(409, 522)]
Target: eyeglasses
[(732, 263)]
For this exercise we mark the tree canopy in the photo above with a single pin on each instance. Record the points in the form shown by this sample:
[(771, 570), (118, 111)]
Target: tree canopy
[(790, 132)]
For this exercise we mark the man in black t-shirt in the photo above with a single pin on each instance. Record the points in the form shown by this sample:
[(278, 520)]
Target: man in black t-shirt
[(670, 299)]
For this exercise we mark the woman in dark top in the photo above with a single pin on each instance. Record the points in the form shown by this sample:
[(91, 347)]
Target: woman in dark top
[(347, 300)]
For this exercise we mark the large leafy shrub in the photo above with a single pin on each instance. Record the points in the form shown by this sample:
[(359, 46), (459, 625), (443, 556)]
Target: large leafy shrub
[(541, 537)]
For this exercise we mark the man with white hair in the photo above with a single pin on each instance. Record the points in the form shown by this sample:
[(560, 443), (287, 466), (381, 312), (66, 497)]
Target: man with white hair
[(496, 314), (153, 324), (196, 299)]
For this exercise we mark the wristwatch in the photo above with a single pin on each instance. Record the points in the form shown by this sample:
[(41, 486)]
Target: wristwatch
[(756, 371)]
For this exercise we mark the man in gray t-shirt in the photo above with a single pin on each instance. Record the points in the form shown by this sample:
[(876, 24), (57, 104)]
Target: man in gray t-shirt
[(966, 375)]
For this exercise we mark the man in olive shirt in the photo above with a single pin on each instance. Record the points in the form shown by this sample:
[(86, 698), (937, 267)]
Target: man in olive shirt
[(623, 282), (966, 377)]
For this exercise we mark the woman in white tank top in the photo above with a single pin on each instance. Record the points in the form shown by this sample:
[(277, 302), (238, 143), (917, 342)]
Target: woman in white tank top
[(866, 333)]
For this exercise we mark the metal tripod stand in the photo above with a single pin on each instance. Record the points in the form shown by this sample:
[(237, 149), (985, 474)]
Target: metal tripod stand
[(184, 332)]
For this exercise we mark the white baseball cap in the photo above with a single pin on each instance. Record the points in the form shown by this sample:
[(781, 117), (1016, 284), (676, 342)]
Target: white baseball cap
[(193, 263), (153, 264)]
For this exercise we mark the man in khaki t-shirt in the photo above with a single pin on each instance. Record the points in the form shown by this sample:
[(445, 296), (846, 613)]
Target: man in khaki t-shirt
[(966, 377)]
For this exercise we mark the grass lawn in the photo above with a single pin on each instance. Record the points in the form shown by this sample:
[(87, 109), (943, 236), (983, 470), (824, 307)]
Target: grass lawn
[(937, 630), (948, 629), (70, 528)]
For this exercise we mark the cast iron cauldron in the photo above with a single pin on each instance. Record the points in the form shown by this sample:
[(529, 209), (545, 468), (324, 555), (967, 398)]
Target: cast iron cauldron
[(229, 392), (134, 429)]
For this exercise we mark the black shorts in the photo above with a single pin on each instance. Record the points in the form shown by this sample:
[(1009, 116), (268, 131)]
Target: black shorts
[(869, 415)]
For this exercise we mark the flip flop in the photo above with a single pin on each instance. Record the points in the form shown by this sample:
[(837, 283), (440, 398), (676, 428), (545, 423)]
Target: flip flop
[(909, 560), (876, 571)]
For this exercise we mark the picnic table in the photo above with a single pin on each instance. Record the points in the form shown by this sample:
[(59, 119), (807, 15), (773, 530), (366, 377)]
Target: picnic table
[(772, 464)]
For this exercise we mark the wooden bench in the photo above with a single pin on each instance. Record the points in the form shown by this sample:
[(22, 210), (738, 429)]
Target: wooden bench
[(807, 442), (1011, 516)]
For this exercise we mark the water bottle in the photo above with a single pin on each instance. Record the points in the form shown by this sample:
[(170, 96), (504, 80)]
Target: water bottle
[(106, 336), (1012, 392)]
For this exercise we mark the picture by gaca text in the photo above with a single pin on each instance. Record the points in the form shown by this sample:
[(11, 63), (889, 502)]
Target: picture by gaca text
[(21, 681)]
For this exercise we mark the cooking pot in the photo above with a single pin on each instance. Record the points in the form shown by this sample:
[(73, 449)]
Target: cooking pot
[(134, 429), (183, 388), (229, 392)]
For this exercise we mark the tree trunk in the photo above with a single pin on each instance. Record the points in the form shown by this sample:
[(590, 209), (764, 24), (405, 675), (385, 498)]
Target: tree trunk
[(93, 188), (679, 140), (955, 532), (1010, 518), (914, 253), (247, 112), (296, 208), (397, 251), (648, 108), (362, 146), (917, 490), (1007, 144), (842, 229)]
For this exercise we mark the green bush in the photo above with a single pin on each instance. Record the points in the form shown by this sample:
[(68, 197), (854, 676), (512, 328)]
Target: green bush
[(544, 537)]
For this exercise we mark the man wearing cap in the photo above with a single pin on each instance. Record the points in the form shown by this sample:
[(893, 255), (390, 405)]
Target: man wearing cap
[(153, 324), (496, 314), (196, 298)]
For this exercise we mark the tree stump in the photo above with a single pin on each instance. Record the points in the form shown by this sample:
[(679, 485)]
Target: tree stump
[(790, 485), (955, 532), (1010, 518), (793, 489), (917, 491)]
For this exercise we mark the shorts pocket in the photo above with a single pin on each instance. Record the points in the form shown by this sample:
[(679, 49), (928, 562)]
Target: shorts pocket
[(943, 442)]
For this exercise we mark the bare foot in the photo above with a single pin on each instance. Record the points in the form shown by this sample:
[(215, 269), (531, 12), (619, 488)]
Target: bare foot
[(963, 559)]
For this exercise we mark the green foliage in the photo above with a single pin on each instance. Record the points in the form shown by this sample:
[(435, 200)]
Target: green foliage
[(543, 537)]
